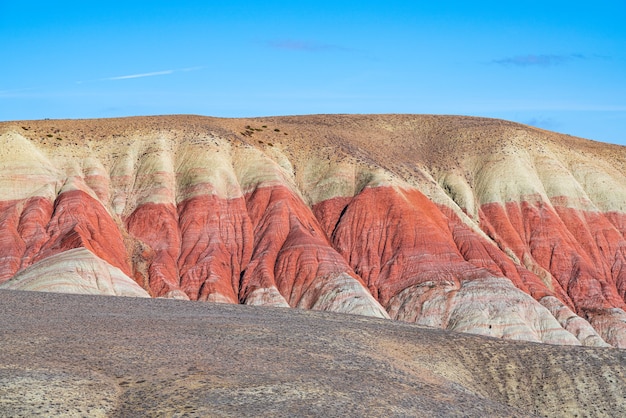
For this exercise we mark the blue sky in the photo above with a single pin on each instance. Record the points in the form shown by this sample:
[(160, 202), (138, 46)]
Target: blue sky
[(558, 65)]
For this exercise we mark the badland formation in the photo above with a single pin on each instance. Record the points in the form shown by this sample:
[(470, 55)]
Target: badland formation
[(473, 225)]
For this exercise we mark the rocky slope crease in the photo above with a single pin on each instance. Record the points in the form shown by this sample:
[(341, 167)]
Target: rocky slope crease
[(467, 224)]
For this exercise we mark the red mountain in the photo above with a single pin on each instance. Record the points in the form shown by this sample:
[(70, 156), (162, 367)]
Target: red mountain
[(467, 224)]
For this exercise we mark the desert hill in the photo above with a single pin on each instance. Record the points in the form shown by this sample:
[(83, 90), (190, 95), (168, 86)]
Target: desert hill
[(85, 355), (466, 224)]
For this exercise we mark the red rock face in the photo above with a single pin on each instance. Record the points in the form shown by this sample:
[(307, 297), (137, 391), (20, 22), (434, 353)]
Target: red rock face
[(78, 221), (12, 245), (478, 251), (279, 221), (32, 227), (618, 268), (197, 249), (582, 251), (156, 225), (291, 253), (394, 242), (401, 243), (266, 248), (216, 246), (395, 239)]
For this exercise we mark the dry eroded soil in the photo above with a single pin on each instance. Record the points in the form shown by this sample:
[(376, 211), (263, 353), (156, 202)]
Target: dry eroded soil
[(112, 356)]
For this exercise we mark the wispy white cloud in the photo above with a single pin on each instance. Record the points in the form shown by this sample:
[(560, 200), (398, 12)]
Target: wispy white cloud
[(186, 70), (541, 60), (142, 75)]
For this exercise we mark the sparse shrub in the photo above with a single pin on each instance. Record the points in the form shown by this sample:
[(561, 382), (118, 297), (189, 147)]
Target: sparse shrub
[(276, 130)]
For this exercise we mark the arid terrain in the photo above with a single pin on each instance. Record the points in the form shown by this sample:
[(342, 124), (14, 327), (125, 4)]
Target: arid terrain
[(81, 355), (466, 224), (401, 225)]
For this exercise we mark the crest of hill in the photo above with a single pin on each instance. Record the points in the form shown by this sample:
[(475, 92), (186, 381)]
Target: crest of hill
[(389, 141), (455, 160)]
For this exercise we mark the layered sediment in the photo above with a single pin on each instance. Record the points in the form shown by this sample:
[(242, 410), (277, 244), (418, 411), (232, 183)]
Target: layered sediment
[(467, 224)]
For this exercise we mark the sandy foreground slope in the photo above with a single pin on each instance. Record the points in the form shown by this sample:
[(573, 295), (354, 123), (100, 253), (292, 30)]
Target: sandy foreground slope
[(82, 355)]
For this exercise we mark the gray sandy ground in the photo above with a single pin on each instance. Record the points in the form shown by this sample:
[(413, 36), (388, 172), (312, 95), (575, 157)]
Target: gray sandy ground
[(109, 356)]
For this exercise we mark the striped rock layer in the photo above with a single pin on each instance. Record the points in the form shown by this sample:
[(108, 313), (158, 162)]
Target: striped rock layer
[(467, 224)]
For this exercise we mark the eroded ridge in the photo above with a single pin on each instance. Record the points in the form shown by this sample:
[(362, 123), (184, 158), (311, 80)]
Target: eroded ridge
[(467, 224)]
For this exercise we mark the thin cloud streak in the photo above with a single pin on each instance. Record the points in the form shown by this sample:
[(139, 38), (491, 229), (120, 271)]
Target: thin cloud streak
[(152, 74), (533, 60), (142, 75), (186, 70)]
